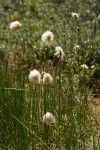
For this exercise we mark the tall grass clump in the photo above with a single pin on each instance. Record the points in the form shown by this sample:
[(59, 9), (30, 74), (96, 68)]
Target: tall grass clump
[(47, 63)]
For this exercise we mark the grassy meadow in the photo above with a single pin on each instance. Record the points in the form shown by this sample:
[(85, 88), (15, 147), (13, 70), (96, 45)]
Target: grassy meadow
[(50, 75)]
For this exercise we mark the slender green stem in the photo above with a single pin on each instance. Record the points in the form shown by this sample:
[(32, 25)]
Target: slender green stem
[(30, 131)]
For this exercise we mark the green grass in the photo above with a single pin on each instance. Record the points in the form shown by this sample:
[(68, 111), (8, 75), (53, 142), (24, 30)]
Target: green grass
[(22, 103), (23, 109)]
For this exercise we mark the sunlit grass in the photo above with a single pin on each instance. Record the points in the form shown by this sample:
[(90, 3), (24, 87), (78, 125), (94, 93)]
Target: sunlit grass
[(45, 72)]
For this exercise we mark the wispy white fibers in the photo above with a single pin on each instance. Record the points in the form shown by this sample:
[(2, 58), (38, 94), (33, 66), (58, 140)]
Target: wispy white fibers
[(75, 15), (47, 78), (35, 76), (48, 118), (59, 52), (47, 37), (15, 25), (76, 47), (84, 66)]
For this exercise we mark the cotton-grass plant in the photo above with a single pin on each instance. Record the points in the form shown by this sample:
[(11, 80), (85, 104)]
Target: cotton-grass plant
[(59, 52), (84, 66), (47, 78), (47, 37), (35, 76), (76, 47), (60, 99), (15, 25), (75, 15), (48, 118)]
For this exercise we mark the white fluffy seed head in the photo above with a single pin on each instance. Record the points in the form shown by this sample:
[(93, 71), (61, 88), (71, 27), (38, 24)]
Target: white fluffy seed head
[(92, 66), (77, 47), (47, 37), (48, 118), (59, 52), (35, 76), (75, 15), (15, 25), (84, 66), (47, 78)]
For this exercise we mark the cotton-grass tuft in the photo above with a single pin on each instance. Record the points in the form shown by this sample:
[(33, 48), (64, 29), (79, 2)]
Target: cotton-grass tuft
[(76, 47), (35, 76), (84, 66), (59, 52), (47, 78), (92, 66), (75, 15), (48, 118), (15, 25), (47, 37)]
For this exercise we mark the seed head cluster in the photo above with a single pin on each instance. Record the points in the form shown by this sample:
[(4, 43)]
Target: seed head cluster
[(35, 77)]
